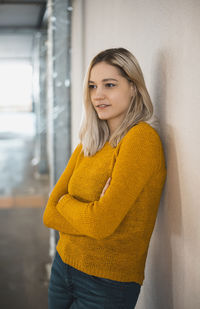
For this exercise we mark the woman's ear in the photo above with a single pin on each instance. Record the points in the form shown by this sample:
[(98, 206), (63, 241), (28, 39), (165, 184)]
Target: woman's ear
[(133, 90)]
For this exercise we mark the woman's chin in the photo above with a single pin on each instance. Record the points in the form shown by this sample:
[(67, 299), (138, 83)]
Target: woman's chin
[(102, 117)]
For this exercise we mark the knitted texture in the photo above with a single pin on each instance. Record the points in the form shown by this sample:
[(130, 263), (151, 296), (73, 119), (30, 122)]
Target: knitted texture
[(109, 236)]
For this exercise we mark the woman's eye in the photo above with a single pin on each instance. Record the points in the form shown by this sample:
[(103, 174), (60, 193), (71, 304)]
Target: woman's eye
[(91, 86), (109, 85)]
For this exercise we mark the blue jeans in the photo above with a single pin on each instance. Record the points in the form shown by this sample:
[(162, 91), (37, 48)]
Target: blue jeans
[(74, 289)]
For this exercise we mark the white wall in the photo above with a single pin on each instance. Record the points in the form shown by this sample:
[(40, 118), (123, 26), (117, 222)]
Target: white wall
[(164, 37), (15, 70), (17, 45)]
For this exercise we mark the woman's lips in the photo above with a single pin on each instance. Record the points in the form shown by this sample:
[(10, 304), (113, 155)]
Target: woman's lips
[(103, 107)]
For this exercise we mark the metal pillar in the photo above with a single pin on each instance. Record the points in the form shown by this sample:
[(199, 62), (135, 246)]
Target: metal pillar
[(42, 165), (40, 102), (59, 105)]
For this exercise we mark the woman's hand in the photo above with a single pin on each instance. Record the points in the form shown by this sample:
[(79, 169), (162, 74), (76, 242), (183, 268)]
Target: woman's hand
[(106, 187), (60, 198)]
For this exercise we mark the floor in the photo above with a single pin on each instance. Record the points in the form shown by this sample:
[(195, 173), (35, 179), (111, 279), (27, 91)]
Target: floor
[(24, 242)]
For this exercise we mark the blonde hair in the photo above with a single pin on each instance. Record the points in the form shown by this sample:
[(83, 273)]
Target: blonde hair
[(94, 132)]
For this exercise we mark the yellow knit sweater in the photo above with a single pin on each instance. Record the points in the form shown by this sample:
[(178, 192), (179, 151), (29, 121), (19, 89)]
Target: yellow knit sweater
[(109, 236)]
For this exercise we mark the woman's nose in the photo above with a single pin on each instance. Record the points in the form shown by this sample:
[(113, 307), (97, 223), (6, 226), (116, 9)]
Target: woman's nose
[(99, 94)]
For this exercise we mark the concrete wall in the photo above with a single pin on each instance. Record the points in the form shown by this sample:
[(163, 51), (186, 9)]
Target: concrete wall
[(164, 37)]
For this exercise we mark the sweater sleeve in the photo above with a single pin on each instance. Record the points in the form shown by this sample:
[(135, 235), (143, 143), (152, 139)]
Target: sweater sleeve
[(138, 159), (51, 217)]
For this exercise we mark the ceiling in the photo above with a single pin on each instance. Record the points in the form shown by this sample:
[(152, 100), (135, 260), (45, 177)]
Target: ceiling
[(19, 23), (24, 14)]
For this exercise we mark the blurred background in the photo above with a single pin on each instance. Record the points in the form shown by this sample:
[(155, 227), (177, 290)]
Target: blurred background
[(45, 48)]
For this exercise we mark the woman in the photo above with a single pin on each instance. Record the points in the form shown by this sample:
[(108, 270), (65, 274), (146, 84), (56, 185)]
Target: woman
[(105, 203)]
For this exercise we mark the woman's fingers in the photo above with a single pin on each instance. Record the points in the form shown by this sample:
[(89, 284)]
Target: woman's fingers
[(106, 186), (108, 181)]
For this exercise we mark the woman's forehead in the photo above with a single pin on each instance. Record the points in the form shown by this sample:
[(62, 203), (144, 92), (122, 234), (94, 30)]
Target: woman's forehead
[(102, 71)]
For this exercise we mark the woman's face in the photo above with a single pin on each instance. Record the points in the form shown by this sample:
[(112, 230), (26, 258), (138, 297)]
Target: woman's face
[(110, 94)]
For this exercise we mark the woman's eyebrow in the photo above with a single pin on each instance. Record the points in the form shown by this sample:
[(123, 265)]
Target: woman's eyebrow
[(104, 80)]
